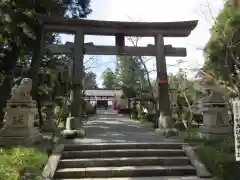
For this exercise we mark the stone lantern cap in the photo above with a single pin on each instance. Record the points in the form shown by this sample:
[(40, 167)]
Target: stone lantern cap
[(214, 93), (207, 83)]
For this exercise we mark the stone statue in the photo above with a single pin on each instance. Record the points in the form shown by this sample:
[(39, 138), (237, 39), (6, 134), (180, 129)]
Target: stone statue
[(22, 91), (19, 116)]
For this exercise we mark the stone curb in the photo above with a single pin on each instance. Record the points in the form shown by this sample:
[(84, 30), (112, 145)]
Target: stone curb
[(52, 163), (202, 172)]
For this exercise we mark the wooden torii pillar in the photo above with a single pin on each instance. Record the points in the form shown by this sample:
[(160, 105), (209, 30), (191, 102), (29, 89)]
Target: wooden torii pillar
[(81, 27), (162, 77)]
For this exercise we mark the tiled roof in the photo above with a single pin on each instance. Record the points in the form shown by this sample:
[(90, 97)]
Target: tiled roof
[(103, 92)]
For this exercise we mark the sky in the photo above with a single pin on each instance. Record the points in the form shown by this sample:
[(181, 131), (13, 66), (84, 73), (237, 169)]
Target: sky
[(155, 11)]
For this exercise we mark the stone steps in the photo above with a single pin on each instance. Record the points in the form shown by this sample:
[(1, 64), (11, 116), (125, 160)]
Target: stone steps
[(110, 146), (123, 160), (125, 171), (123, 153), (145, 178)]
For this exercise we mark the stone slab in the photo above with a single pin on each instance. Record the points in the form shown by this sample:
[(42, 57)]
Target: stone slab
[(146, 178), (13, 131), (123, 153), (51, 166), (202, 172), (123, 161), (131, 145), (125, 171)]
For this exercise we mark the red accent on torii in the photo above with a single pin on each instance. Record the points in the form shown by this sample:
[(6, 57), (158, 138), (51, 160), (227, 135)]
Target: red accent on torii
[(163, 81)]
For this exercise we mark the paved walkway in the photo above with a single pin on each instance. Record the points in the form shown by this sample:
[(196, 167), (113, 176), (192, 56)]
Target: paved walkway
[(108, 126)]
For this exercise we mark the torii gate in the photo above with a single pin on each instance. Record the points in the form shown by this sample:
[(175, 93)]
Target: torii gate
[(81, 27)]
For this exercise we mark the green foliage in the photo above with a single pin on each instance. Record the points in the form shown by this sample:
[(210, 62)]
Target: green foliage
[(183, 94), (217, 155), (90, 80), (221, 164), (20, 34), (109, 79), (78, 8), (17, 162), (191, 136), (130, 75), (20, 28), (224, 43)]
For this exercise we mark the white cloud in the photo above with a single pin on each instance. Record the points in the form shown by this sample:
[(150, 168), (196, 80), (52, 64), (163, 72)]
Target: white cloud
[(157, 11)]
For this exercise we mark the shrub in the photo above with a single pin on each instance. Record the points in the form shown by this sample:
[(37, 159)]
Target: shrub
[(21, 162), (221, 165), (217, 155)]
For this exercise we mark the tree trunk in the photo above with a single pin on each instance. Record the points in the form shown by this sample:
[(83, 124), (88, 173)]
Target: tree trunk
[(155, 107), (5, 90), (35, 64), (7, 65)]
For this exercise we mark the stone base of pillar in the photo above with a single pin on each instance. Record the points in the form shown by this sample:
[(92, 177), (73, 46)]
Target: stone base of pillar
[(19, 136), (73, 128), (166, 127), (167, 132)]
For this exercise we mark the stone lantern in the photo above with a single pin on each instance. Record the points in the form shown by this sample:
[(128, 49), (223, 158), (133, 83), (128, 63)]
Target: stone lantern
[(215, 112), (49, 125)]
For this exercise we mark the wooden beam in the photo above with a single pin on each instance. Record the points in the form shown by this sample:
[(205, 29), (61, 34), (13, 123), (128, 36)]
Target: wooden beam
[(125, 50), (94, 27), (112, 31)]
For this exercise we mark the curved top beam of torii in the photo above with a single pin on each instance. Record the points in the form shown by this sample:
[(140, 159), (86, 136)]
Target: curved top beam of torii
[(95, 27)]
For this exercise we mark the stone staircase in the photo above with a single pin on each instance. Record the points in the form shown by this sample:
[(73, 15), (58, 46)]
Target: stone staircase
[(123, 160)]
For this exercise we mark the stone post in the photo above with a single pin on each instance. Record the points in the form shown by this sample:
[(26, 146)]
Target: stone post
[(74, 121), (165, 125)]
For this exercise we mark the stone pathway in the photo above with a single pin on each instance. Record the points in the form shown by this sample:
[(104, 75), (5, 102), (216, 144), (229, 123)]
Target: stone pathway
[(108, 126)]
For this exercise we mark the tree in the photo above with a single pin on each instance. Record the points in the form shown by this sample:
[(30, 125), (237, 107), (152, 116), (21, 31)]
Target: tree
[(146, 83), (109, 79), (127, 75), (183, 94), (90, 80), (222, 50), (20, 33)]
